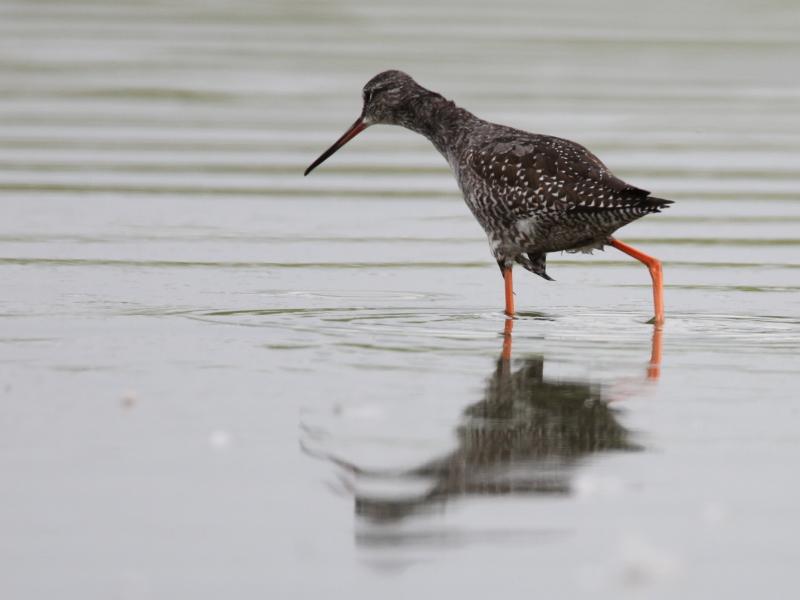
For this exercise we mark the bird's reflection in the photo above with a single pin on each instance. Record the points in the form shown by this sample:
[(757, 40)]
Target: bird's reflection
[(526, 435)]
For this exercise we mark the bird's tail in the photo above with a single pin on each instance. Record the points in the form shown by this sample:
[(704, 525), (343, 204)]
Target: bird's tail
[(656, 204)]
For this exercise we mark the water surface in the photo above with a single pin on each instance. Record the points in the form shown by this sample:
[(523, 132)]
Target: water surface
[(219, 378)]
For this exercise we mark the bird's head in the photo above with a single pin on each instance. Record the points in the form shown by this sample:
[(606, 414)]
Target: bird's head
[(388, 99)]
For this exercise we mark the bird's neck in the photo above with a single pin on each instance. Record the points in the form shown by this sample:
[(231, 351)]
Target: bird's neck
[(442, 122)]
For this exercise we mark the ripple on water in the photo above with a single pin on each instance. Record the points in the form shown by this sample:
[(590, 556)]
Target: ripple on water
[(429, 328)]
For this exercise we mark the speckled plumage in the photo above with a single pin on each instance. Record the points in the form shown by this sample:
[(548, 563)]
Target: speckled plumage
[(531, 193)]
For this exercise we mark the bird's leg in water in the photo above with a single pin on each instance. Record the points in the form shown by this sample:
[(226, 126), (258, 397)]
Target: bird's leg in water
[(507, 329), (654, 266), (509, 284), (654, 368)]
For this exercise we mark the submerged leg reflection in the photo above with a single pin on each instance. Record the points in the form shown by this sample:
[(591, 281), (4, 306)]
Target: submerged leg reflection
[(508, 328), (527, 435), (654, 368)]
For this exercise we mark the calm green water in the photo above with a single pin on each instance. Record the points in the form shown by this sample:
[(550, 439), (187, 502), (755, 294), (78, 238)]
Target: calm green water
[(221, 379)]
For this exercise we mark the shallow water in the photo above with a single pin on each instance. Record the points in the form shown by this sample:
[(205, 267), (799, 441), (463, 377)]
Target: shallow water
[(219, 378)]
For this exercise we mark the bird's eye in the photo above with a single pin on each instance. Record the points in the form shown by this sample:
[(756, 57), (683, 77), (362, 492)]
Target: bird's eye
[(367, 97)]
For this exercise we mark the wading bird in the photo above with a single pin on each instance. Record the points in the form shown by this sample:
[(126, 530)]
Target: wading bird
[(531, 193)]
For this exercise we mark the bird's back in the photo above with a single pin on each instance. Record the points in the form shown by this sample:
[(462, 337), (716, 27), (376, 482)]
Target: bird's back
[(511, 178)]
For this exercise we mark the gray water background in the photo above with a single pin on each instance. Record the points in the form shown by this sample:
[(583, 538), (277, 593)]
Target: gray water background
[(221, 379)]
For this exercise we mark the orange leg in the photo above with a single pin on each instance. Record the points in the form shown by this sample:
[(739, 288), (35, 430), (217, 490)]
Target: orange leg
[(507, 329), (509, 291), (654, 266), (654, 368)]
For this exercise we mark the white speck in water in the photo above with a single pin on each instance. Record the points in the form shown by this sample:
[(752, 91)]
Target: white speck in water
[(219, 439), (645, 564), (596, 486)]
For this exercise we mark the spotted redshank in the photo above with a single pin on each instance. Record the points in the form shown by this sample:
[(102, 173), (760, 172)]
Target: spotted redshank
[(531, 193)]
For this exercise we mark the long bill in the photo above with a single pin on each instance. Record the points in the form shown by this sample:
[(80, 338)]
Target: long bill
[(354, 130)]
